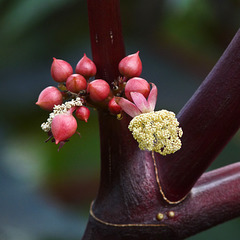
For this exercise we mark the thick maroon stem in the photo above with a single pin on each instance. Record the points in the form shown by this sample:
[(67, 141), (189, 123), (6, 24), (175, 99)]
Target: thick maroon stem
[(106, 37), (209, 120), (129, 204), (107, 50), (131, 208), (214, 199)]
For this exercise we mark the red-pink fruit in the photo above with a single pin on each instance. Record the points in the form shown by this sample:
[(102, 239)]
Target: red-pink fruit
[(60, 70), (49, 97), (137, 84), (75, 83), (63, 127), (82, 113), (131, 66), (98, 90), (86, 67), (113, 107)]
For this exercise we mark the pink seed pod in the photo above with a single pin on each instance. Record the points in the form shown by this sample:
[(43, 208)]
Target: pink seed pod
[(137, 84), (75, 83), (63, 127), (131, 66), (98, 90), (60, 70), (82, 113), (49, 97), (86, 67), (113, 107)]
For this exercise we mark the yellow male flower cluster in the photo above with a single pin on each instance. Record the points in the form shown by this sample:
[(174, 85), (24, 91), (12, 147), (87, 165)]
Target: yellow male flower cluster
[(157, 131)]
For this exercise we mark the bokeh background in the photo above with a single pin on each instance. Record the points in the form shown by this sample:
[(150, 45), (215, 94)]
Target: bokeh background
[(45, 194)]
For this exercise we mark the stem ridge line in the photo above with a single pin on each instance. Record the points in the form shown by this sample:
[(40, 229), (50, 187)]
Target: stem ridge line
[(124, 224), (159, 185)]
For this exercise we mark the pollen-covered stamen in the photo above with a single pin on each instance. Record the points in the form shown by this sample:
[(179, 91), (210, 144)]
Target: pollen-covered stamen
[(157, 131)]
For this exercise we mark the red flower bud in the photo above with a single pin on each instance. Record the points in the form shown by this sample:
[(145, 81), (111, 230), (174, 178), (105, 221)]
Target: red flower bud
[(86, 67), (98, 90), (137, 84), (82, 113), (60, 70), (75, 83), (63, 127), (49, 97), (131, 66), (113, 107)]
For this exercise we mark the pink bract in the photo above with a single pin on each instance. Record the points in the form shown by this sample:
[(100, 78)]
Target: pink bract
[(140, 103)]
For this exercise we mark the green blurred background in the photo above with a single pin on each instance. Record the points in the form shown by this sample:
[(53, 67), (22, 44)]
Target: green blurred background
[(45, 194)]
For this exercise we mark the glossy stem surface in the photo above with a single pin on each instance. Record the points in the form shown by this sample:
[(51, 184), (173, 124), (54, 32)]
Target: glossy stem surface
[(106, 37), (209, 120), (129, 200), (133, 214)]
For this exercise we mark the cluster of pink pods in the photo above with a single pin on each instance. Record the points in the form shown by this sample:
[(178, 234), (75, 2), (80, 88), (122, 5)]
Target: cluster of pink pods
[(88, 92)]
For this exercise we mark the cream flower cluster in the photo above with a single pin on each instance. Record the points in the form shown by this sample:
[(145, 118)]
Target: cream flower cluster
[(157, 131), (60, 109)]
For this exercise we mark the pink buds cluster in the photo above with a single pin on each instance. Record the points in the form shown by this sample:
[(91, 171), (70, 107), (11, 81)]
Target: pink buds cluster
[(77, 90), (136, 88), (70, 97), (131, 68)]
